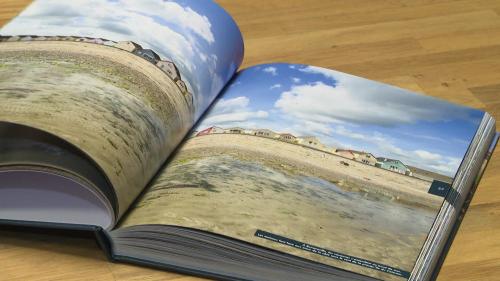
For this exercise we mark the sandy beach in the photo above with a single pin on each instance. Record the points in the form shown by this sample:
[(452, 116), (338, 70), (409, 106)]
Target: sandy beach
[(236, 184), (120, 109), (355, 176)]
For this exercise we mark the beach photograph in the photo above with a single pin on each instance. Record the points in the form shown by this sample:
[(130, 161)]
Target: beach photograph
[(317, 156)]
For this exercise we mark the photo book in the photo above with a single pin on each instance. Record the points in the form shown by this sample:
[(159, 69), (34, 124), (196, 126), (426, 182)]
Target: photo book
[(133, 120)]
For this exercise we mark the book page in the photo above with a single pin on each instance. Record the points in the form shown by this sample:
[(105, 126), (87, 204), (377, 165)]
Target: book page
[(319, 164), (123, 81)]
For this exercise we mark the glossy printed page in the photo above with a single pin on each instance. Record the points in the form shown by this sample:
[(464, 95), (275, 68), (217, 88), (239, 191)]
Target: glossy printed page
[(319, 164), (123, 81)]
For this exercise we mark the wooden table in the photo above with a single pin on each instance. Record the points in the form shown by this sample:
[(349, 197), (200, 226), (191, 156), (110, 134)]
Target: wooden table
[(444, 48)]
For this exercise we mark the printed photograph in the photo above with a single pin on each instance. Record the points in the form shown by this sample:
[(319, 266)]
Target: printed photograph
[(321, 157), (198, 36)]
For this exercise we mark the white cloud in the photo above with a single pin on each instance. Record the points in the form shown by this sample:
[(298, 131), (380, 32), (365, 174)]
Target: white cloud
[(309, 128), (275, 86), (233, 112), (448, 166), (221, 119), (172, 12), (427, 155), (319, 70), (341, 130), (296, 80), (203, 57), (230, 105), (361, 101), (186, 17), (425, 137), (272, 70), (434, 162), (461, 141)]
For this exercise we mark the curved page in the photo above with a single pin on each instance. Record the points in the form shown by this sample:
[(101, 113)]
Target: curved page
[(319, 164), (45, 179), (34, 195), (121, 80)]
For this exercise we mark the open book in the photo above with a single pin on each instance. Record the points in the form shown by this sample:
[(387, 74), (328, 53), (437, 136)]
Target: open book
[(131, 119)]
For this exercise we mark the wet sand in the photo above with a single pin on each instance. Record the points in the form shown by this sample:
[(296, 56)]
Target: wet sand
[(215, 185), (356, 176), (121, 110)]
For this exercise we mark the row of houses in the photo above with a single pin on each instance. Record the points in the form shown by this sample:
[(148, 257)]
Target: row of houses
[(167, 66), (309, 141), (313, 142), (380, 162), (26, 38)]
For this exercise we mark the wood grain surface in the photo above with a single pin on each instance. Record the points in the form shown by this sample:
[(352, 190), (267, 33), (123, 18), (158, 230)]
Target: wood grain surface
[(444, 48)]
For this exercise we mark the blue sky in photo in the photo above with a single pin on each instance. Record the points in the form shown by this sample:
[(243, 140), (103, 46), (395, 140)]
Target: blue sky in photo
[(199, 36), (349, 112)]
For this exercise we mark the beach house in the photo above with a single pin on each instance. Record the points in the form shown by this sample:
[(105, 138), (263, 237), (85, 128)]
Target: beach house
[(287, 137), (169, 68), (148, 54), (249, 132), (99, 41), (210, 130), (79, 39), (235, 130), (266, 133), (26, 38), (73, 38), (365, 157), (346, 153), (182, 86), (311, 141), (128, 46), (393, 165), (11, 38), (41, 38)]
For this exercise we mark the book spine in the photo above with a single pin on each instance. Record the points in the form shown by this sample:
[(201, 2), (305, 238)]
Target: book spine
[(464, 209), (105, 243), (453, 206)]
